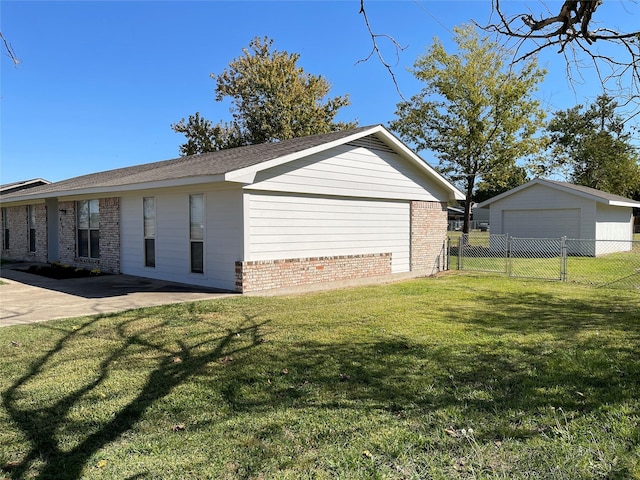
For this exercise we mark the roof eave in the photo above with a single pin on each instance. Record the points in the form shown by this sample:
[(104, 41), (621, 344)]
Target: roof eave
[(563, 188), (615, 203), (113, 189)]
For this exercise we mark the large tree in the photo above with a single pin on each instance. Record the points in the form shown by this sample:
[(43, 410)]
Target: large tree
[(476, 114), (592, 146), (272, 98), (495, 183)]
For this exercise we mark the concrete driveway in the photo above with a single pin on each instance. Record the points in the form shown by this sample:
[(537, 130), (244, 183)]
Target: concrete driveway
[(28, 298)]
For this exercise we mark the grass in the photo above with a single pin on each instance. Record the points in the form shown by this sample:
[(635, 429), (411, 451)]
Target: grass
[(461, 376)]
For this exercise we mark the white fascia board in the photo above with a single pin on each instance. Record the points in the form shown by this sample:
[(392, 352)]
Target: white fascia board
[(115, 189), (630, 203)]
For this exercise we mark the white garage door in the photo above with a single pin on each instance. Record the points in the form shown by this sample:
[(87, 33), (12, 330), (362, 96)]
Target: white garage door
[(547, 223), (287, 226)]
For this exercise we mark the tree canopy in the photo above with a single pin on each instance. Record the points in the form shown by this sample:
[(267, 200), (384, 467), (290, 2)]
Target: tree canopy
[(272, 98), (592, 146), (474, 113)]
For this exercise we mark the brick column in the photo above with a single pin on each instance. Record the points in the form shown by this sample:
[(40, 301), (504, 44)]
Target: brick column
[(110, 234), (67, 232), (428, 236)]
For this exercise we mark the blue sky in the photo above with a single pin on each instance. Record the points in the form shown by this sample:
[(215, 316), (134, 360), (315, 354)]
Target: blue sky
[(101, 81)]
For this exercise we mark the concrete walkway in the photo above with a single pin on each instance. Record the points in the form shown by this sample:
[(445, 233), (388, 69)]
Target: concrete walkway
[(28, 298)]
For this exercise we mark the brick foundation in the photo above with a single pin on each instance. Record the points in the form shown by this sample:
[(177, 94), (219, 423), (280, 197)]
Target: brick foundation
[(428, 236), (268, 274)]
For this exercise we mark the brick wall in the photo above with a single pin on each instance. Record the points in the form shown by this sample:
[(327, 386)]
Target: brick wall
[(18, 223), (428, 236), (109, 260), (110, 235), (267, 274), (67, 232)]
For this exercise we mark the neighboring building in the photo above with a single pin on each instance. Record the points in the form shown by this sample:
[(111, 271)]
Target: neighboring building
[(8, 188), (455, 216), (342, 205), (551, 209)]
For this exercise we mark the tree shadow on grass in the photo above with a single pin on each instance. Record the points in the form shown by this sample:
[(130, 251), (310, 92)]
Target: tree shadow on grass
[(534, 351), (177, 366)]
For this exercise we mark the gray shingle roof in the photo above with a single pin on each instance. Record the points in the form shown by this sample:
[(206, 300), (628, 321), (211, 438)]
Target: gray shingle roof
[(591, 191), (206, 164), (597, 195)]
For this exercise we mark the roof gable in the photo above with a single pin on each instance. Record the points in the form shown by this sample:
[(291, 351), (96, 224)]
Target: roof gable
[(22, 185), (586, 192), (233, 165)]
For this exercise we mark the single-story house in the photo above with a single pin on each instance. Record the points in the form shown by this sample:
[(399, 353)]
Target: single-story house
[(341, 205), (552, 209)]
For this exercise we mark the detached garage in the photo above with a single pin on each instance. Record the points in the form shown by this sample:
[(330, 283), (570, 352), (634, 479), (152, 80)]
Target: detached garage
[(551, 209), (337, 206)]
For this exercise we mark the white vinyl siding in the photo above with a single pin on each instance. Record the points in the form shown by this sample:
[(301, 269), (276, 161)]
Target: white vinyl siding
[(351, 171), (223, 233), (287, 226), (614, 223)]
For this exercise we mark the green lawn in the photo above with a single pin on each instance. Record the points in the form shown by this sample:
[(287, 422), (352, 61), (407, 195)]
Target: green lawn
[(461, 376)]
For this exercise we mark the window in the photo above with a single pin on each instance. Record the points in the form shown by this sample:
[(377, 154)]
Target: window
[(196, 232), (31, 218), (149, 214), (5, 228), (88, 228)]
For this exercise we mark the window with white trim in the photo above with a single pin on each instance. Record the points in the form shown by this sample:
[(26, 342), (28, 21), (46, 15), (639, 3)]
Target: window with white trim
[(149, 219), (31, 219), (88, 212), (196, 232)]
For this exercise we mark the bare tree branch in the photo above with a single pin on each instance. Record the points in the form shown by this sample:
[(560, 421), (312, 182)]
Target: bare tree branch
[(375, 49), (10, 52), (572, 27)]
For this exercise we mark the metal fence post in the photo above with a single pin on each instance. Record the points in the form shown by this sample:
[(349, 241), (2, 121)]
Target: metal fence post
[(507, 252), (460, 251), (563, 259)]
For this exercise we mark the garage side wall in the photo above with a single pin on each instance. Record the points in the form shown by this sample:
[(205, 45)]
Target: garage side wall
[(428, 236), (614, 223)]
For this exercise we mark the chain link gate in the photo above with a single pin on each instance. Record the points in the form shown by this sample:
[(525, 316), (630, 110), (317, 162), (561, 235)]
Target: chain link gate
[(537, 258)]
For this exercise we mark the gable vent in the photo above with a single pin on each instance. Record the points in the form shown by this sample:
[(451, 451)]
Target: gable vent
[(371, 142)]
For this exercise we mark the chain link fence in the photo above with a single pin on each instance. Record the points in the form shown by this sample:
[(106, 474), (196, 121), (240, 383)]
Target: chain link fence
[(602, 263)]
